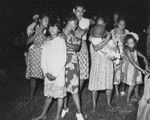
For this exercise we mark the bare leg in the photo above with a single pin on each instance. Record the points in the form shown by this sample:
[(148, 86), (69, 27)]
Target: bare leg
[(117, 90), (32, 89), (81, 84), (65, 102), (130, 90), (76, 99), (136, 91), (109, 95), (94, 97), (60, 105), (44, 112)]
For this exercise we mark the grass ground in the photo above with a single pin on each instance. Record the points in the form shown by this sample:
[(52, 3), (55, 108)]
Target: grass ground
[(14, 90)]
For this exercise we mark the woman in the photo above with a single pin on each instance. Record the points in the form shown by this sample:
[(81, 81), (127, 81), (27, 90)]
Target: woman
[(101, 73), (83, 53), (72, 65), (34, 71)]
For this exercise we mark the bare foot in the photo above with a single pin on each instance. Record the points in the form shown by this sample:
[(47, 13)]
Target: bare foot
[(40, 118)]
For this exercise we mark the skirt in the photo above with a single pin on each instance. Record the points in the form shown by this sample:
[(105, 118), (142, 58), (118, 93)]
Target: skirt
[(83, 57), (33, 61)]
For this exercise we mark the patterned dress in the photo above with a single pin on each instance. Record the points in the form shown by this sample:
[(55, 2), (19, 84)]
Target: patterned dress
[(83, 56), (131, 76), (72, 66), (102, 72), (118, 38), (34, 58)]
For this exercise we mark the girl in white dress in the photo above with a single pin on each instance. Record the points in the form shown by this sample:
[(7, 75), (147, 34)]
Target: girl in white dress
[(53, 65)]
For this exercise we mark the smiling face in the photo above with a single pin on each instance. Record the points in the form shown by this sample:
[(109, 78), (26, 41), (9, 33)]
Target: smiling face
[(79, 12)]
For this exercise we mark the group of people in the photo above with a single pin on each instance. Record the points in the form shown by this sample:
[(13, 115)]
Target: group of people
[(59, 55)]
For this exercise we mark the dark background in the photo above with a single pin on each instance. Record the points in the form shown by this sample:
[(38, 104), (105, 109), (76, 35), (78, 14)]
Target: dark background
[(16, 15)]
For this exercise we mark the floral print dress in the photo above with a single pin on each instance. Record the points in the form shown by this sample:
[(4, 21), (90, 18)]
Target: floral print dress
[(72, 66)]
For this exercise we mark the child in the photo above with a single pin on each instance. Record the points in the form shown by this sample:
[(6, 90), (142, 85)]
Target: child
[(144, 103), (131, 69), (110, 49), (53, 65)]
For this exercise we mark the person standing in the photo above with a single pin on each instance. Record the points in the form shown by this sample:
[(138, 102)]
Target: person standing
[(34, 71), (83, 54)]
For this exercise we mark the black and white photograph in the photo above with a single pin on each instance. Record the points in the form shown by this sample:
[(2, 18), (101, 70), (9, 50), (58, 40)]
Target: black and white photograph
[(75, 59)]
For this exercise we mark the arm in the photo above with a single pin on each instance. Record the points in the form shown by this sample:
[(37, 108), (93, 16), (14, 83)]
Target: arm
[(102, 45), (133, 62), (30, 40), (145, 60)]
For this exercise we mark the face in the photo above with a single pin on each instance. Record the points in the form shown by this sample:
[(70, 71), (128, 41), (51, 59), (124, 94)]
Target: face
[(100, 21), (72, 25), (45, 22), (79, 12), (121, 24), (116, 17), (53, 30), (131, 43)]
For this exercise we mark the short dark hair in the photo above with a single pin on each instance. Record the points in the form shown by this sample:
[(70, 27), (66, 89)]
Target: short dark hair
[(126, 38), (70, 17)]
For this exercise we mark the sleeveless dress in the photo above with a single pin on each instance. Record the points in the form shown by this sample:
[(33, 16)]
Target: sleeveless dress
[(118, 38), (102, 70), (72, 65), (34, 58), (131, 76)]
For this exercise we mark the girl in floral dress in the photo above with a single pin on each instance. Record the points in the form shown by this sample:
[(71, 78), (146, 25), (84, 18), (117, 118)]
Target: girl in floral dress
[(83, 53), (34, 70), (132, 70), (102, 72), (118, 35), (72, 66), (53, 63)]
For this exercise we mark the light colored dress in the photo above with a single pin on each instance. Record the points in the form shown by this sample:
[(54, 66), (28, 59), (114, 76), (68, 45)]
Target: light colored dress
[(34, 58), (118, 38), (102, 70), (144, 107), (53, 61), (72, 65), (83, 56), (131, 75)]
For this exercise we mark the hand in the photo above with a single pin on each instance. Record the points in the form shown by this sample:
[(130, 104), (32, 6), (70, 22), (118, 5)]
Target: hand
[(50, 76)]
